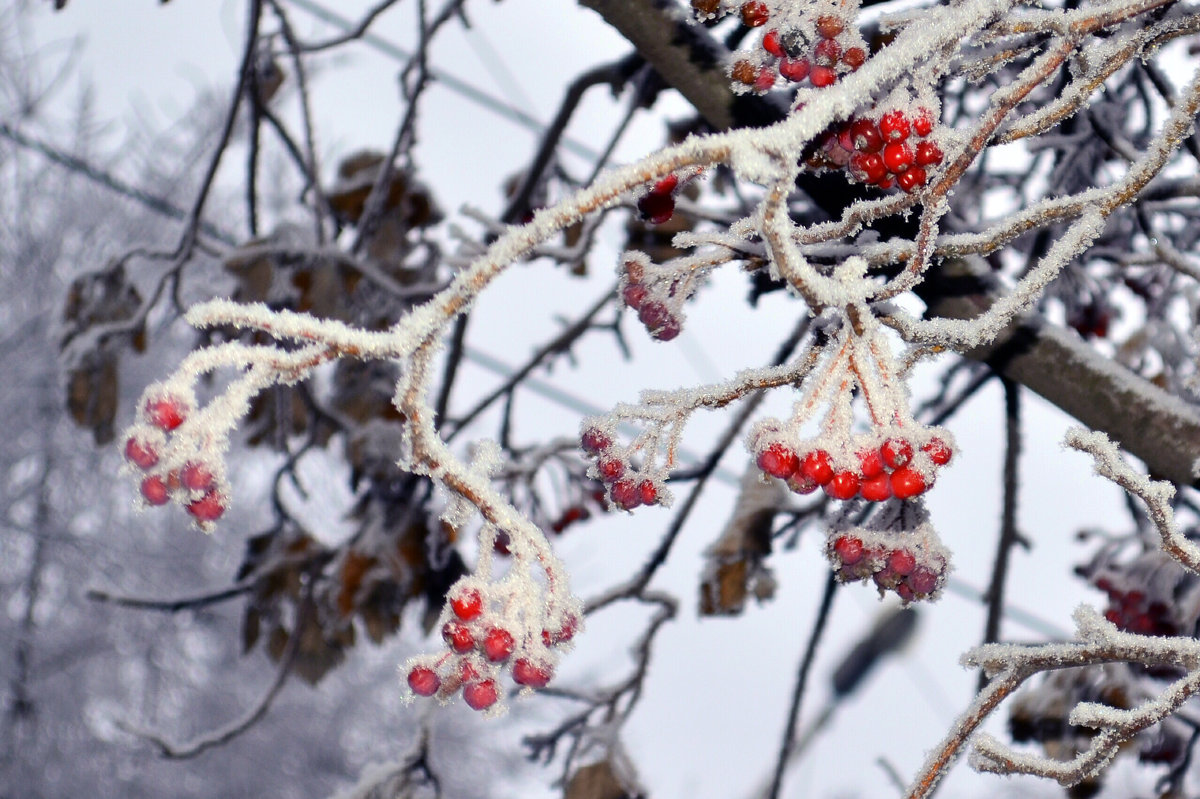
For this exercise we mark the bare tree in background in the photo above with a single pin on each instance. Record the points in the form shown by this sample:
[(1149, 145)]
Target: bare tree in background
[(851, 160)]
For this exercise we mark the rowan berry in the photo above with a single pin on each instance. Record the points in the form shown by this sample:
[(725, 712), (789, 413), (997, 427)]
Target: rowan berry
[(778, 460), (765, 80), (140, 455), (625, 494), (907, 483), (423, 681), (196, 477), (633, 295), (923, 123), (801, 484), (564, 633), (755, 14), (498, 644), (656, 208), (877, 488), (794, 69), (458, 636), (668, 330), (848, 549), (870, 463), (928, 154), (744, 72), (166, 413), (706, 7), (866, 136), (468, 604), (898, 157), (154, 490), (772, 45), (666, 185), (822, 76), (868, 167), (653, 314), (817, 467), (894, 126), (610, 469), (912, 178), (854, 57), (939, 452), (594, 441), (844, 485), (535, 675), (481, 695), (827, 52), (647, 492), (896, 452), (208, 508), (902, 562), (922, 580), (830, 26)]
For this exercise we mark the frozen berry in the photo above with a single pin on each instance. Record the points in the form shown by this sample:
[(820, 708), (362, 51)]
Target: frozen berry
[(656, 208), (896, 452), (208, 508), (755, 14), (625, 495), (844, 485), (877, 488), (647, 492), (830, 26), (897, 156), (535, 675), (778, 460), (923, 580), (827, 52), (166, 413), (424, 681), (912, 178), (866, 136), (154, 490), (902, 562), (794, 69), (744, 72), (868, 167), (196, 477), (772, 45), (870, 463), (467, 604), (633, 295), (594, 441), (923, 123), (817, 467), (564, 633), (458, 636), (611, 469), (928, 154), (481, 695), (907, 483), (894, 126), (854, 57), (848, 549), (822, 76), (666, 185), (668, 330), (653, 314), (765, 80), (140, 455), (498, 644)]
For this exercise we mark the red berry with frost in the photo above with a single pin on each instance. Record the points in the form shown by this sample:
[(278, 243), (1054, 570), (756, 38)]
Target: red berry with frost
[(794, 69), (668, 330), (896, 452), (870, 463), (195, 477), (923, 123), (633, 295), (653, 314), (928, 154), (647, 492), (902, 562), (458, 636), (907, 483), (208, 508), (886, 183), (625, 495), (817, 467), (140, 455), (778, 460), (854, 57), (894, 126), (848, 549), (830, 26), (656, 208), (912, 178), (154, 490), (877, 488), (165, 413), (467, 604), (897, 157), (498, 644), (765, 80), (423, 681), (755, 14), (594, 441), (564, 633), (844, 485), (611, 469), (535, 675), (866, 136), (666, 185), (827, 52), (772, 45), (868, 167), (923, 580), (801, 484), (939, 452), (822, 76), (481, 695)]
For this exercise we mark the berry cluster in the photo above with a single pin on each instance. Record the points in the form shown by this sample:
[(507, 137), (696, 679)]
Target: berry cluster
[(482, 642), (627, 488), (193, 483), (899, 556), (818, 51), (656, 302), (885, 152), (1134, 612), (901, 467)]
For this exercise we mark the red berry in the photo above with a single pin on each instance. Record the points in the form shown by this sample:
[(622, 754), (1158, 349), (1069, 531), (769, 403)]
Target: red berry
[(907, 483), (481, 695), (854, 57), (765, 80), (801, 484), (894, 126), (897, 157), (794, 69), (871, 463), (896, 452), (647, 492), (196, 477), (535, 675), (424, 681), (656, 208), (208, 508), (778, 460), (822, 76), (625, 494), (668, 330), (498, 644), (939, 452), (848, 549), (468, 604), (166, 413), (868, 167), (816, 467), (458, 636), (666, 185), (633, 295), (827, 52), (844, 485), (928, 154), (140, 455), (654, 315), (772, 45), (912, 178), (755, 14), (886, 183), (564, 633), (866, 136), (902, 562), (611, 469), (594, 441), (923, 124), (830, 26), (154, 490), (877, 488), (923, 580)]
